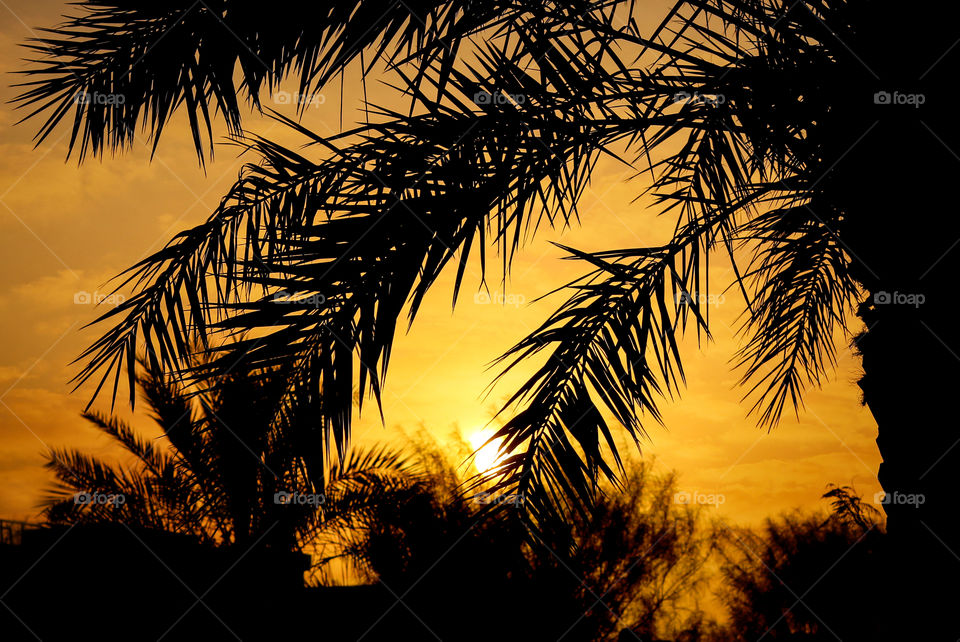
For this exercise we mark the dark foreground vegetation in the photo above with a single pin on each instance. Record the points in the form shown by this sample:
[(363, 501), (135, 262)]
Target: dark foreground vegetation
[(438, 567), (156, 547)]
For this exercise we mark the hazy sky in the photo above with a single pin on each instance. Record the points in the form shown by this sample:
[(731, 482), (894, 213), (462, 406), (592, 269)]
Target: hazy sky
[(65, 230)]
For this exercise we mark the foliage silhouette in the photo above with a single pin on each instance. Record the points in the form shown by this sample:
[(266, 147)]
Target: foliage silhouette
[(769, 128), (222, 471), (182, 55), (468, 570), (806, 577)]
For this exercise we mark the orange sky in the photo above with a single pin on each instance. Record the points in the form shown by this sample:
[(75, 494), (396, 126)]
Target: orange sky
[(65, 230)]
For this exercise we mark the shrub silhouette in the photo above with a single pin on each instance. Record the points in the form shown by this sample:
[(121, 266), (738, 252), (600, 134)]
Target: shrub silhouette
[(810, 577), (465, 566)]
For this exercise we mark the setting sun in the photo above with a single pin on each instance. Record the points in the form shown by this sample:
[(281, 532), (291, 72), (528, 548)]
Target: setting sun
[(485, 456)]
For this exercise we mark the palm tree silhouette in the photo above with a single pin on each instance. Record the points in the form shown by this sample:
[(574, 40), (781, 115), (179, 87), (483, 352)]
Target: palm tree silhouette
[(793, 132), (221, 473)]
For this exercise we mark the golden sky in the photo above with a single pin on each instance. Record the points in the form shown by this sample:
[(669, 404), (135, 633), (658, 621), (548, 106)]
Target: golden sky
[(66, 230)]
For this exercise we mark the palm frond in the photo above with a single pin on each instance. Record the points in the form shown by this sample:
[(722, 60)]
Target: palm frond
[(614, 342), (803, 293), (613, 346), (146, 452), (119, 66), (83, 481)]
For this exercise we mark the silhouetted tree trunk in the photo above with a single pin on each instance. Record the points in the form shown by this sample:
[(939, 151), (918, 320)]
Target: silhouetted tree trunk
[(902, 228)]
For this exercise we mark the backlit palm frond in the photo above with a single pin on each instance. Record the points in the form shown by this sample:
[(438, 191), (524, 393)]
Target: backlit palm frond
[(615, 341), (200, 271), (366, 230), (803, 293), (223, 487), (718, 158), (341, 246), (417, 196), (414, 195), (76, 471), (119, 65), (91, 491), (613, 347), (155, 461), (358, 490), (172, 409), (366, 478), (192, 481)]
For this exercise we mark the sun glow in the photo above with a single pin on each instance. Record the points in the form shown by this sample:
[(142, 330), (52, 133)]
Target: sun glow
[(485, 456)]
